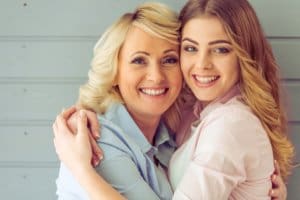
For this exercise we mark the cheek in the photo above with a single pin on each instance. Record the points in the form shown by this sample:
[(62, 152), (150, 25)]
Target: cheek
[(174, 77), (234, 73), (184, 66), (126, 83)]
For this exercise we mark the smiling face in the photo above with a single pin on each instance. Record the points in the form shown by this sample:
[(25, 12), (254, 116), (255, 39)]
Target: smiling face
[(149, 76), (208, 61)]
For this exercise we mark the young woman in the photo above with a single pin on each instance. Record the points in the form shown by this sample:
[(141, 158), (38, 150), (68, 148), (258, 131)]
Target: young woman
[(241, 127), (240, 124), (133, 84)]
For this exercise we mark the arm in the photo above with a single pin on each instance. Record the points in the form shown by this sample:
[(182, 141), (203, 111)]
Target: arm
[(75, 152), (278, 191)]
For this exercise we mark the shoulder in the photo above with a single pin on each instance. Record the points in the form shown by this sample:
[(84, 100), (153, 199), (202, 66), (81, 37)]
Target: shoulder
[(233, 126), (234, 115), (111, 125), (116, 134), (113, 139)]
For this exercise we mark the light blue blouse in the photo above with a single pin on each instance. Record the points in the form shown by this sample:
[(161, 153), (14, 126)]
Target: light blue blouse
[(128, 160)]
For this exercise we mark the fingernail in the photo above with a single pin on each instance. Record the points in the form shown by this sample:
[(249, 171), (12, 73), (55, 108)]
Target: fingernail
[(273, 177), (96, 163), (96, 133), (81, 113), (100, 156)]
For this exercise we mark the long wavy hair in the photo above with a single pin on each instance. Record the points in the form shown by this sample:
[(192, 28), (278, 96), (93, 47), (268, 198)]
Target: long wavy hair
[(259, 81), (100, 92)]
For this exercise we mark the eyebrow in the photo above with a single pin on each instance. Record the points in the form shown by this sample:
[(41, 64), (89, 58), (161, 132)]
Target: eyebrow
[(148, 54), (210, 43), (140, 52), (219, 41), (189, 40), (170, 50)]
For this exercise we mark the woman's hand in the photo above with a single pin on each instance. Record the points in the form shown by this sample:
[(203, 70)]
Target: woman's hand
[(93, 123), (72, 149), (278, 191), (93, 130)]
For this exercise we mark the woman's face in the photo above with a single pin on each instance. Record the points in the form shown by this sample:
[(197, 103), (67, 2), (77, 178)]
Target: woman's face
[(149, 76), (208, 61)]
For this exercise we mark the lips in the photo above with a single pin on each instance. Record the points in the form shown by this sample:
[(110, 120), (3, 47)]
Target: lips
[(154, 92), (206, 79)]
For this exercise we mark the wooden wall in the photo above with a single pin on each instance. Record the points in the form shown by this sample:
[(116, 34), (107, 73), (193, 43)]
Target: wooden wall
[(45, 51)]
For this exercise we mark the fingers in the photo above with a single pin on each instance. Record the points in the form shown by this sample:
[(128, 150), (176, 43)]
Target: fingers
[(60, 124), (274, 193), (97, 152), (275, 180), (278, 190), (68, 112), (275, 174), (82, 123), (95, 160), (93, 136), (93, 123), (61, 119), (281, 188), (277, 168)]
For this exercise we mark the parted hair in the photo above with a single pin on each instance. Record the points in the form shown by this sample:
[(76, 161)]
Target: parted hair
[(259, 81), (100, 90)]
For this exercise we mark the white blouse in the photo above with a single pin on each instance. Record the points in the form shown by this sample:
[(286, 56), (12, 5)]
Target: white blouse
[(228, 156)]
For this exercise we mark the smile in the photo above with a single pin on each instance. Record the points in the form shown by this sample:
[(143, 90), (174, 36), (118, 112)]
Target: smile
[(206, 79), (154, 92)]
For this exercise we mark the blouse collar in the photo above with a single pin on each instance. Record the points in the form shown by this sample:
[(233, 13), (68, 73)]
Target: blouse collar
[(201, 112)]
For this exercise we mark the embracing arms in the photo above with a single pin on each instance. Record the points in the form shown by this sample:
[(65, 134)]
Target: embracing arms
[(74, 142), (75, 151)]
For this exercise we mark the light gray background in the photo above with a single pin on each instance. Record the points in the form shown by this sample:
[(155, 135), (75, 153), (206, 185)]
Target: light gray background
[(45, 51)]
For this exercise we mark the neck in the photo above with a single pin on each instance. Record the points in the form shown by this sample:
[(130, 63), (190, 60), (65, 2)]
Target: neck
[(148, 126)]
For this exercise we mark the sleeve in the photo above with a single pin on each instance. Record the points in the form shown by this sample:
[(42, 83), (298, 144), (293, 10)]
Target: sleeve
[(67, 188), (217, 164), (122, 173)]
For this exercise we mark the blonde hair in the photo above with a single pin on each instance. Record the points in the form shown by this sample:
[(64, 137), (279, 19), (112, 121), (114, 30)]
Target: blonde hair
[(99, 92), (259, 81)]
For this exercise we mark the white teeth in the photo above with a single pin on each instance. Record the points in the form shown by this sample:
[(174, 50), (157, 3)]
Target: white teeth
[(153, 92), (206, 79)]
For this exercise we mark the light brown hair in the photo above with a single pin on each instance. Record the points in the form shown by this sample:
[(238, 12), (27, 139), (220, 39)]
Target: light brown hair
[(259, 81)]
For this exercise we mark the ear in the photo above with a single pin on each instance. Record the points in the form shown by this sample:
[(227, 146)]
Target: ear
[(115, 82)]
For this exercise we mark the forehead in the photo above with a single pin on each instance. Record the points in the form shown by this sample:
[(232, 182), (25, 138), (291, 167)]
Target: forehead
[(204, 28), (139, 40)]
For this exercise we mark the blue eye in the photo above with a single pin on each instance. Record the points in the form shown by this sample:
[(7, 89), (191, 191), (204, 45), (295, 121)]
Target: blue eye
[(189, 48), (138, 61), (170, 60), (221, 50)]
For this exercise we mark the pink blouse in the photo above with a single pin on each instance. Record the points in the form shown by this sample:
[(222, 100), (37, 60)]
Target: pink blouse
[(227, 156)]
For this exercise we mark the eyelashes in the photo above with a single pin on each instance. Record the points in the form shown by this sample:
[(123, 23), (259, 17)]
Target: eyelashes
[(168, 60), (222, 50), (214, 50), (189, 48), (138, 61)]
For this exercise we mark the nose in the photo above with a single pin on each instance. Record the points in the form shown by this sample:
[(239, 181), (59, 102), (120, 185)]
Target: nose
[(155, 73), (204, 61)]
